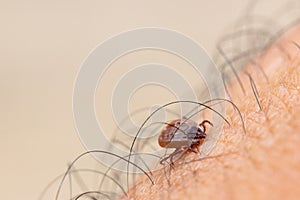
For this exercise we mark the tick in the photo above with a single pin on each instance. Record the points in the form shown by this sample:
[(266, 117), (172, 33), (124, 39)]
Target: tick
[(184, 135)]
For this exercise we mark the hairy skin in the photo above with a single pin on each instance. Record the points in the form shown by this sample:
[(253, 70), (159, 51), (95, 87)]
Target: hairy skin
[(262, 164)]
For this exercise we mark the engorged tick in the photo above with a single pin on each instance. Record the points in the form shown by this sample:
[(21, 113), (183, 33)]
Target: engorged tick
[(184, 135)]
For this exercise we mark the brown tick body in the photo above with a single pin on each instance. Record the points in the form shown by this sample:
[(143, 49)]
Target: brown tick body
[(184, 135)]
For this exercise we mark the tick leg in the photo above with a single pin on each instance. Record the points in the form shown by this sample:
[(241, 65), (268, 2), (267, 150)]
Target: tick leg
[(198, 149), (181, 151), (164, 159), (202, 124), (193, 150), (170, 156)]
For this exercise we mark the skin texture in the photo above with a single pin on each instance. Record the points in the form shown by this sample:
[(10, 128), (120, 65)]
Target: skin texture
[(264, 163)]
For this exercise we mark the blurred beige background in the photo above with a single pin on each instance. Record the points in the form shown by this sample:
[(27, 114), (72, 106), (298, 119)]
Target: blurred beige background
[(42, 46)]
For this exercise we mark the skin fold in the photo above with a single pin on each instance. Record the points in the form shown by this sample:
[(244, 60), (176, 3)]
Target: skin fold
[(264, 162)]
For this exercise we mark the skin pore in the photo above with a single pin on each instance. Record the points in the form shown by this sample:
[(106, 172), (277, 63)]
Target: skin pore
[(264, 163)]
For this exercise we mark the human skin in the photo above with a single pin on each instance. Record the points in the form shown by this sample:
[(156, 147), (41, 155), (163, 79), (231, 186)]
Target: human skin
[(264, 162)]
